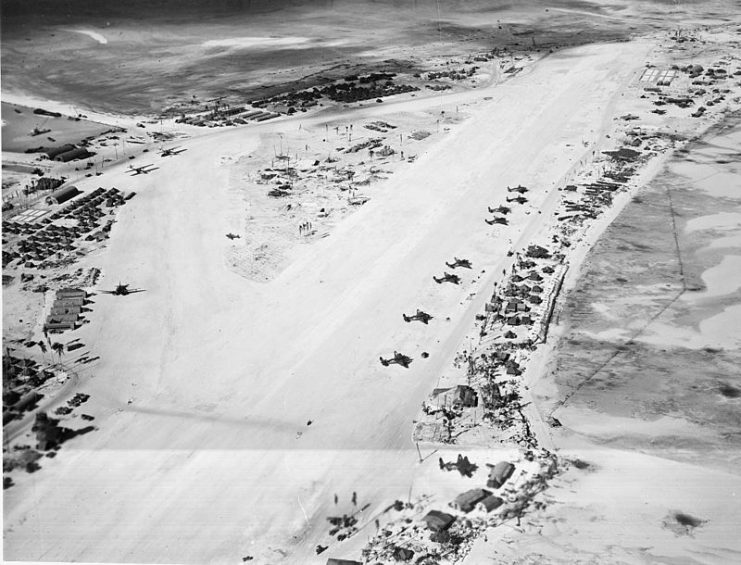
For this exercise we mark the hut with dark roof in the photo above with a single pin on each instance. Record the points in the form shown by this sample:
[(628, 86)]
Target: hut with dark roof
[(490, 503), (499, 474), (52, 152), (72, 154), (71, 293), (438, 521), (61, 195), (461, 395), (467, 501)]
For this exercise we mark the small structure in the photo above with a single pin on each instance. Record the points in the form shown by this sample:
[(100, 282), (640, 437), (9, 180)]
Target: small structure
[(467, 501), (54, 323), (438, 521), (461, 395), (52, 152), (70, 293), (499, 474), (490, 503), (403, 554), (60, 310), (72, 154), (69, 302), (64, 318), (335, 561), (61, 195), (627, 154)]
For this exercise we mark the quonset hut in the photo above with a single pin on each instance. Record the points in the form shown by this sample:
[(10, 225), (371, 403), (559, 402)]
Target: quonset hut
[(52, 152), (62, 195), (72, 154)]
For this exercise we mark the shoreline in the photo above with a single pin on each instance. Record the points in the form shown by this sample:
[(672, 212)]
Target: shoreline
[(679, 434)]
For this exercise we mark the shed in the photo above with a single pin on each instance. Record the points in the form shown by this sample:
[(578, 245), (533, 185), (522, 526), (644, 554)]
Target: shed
[(499, 474), (438, 521), (68, 302), (335, 561), (71, 318), (490, 503), (466, 396), (61, 195), (71, 293), (462, 395), (52, 152), (468, 500), (59, 310), (72, 154), (52, 324), (625, 153)]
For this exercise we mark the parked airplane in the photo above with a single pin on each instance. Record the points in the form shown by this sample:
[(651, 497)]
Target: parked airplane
[(122, 290), (447, 277), (143, 170), (518, 199), (397, 359), (172, 151), (459, 263), (420, 316)]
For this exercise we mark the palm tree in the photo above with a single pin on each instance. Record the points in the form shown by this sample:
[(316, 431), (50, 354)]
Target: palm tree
[(58, 348), (42, 347)]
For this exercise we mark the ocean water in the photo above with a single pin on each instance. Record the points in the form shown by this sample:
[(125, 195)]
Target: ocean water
[(136, 55)]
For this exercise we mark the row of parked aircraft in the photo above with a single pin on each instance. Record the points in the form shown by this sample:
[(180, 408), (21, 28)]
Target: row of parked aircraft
[(424, 317), (146, 169)]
